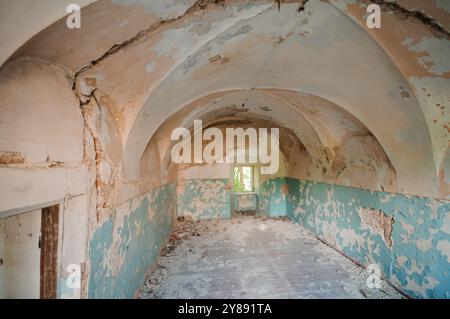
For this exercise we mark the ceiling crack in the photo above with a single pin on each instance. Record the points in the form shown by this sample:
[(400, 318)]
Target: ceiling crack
[(429, 21), (197, 6)]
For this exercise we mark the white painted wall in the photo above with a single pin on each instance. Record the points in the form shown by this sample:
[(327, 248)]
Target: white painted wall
[(19, 250)]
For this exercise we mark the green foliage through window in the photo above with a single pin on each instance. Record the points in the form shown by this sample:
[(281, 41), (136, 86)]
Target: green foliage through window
[(243, 179)]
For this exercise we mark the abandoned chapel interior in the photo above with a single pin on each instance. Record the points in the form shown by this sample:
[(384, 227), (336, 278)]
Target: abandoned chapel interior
[(190, 149)]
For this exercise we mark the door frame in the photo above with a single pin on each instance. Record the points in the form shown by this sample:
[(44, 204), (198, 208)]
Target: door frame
[(49, 245)]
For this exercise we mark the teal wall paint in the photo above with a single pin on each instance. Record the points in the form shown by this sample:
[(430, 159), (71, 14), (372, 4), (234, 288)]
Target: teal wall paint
[(272, 197), (205, 198), (124, 247), (418, 262)]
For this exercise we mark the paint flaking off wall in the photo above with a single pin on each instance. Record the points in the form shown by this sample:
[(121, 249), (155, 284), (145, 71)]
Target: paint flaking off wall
[(378, 222)]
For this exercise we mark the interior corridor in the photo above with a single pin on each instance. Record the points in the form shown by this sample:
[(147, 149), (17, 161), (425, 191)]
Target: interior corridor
[(325, 123)]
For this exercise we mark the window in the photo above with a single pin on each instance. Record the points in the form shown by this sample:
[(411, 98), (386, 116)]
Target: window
[(243, 179)]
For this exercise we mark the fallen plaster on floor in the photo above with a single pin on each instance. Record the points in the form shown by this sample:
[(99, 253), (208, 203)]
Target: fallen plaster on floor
[(236, 259)]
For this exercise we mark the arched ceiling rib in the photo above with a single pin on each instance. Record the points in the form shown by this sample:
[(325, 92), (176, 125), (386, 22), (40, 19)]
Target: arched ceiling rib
[(355, 150), (259, 104)]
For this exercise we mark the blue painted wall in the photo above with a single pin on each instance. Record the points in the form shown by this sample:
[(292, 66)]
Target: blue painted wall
[(414, 255), (127, 245), (417, 256), (205, 198), (273, 197)]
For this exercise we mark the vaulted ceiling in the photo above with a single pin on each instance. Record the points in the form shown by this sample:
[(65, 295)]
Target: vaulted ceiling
[(311, 66)]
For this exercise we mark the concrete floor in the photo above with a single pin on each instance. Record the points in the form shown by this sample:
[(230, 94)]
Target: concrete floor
[(254, 257)]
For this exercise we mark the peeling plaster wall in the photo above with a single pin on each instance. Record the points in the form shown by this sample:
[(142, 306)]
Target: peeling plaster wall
[(206, 191), (408, 236), (124, 247), (420, 50), (79, 129), (42, 156), (204, 198), (272, 197)]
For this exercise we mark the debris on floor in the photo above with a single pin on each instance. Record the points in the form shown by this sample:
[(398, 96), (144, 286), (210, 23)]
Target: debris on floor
[(254, 257)]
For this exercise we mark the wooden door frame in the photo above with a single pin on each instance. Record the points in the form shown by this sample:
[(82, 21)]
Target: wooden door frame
[(49, 244)]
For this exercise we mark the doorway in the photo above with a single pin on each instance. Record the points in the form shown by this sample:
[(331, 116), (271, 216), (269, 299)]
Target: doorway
[(29, 254)]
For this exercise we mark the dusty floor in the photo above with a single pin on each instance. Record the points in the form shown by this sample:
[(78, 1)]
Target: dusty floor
[(254, 257)]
